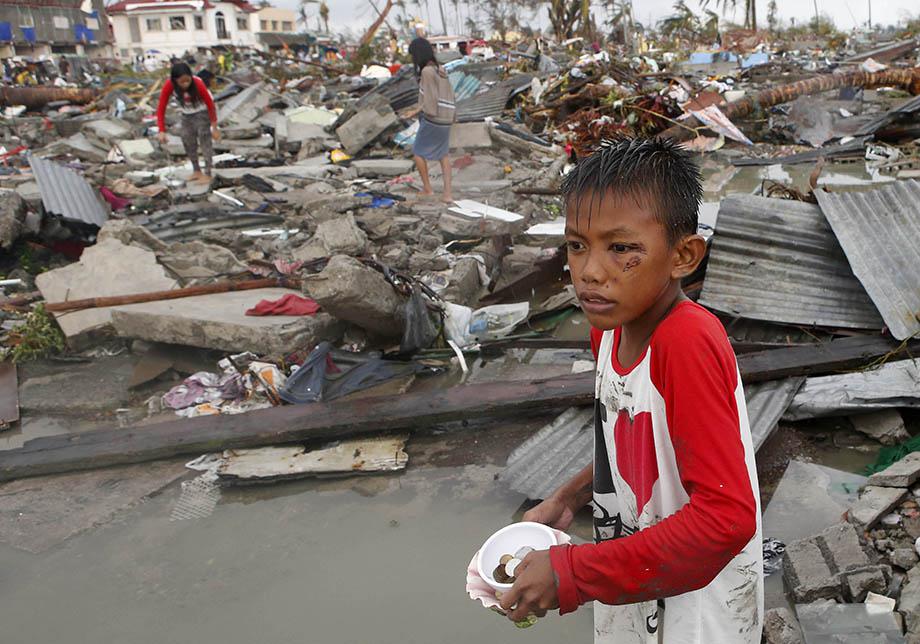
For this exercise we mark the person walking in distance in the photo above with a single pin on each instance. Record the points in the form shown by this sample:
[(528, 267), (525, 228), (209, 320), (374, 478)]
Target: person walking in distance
[(198, 120), (436, 102)]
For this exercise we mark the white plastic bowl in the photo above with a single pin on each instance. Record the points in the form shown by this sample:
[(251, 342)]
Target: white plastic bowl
[(507, 541)]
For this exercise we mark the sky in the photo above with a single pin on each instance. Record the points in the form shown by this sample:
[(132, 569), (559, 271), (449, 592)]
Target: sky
[(356, 15)]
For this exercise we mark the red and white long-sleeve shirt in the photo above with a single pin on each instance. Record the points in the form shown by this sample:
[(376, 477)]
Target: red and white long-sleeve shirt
[(186, 106), (678, 557)]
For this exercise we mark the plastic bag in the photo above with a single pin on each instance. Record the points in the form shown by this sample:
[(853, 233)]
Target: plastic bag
[(497, 321), (457, 323), (306, 384), (419, 332)]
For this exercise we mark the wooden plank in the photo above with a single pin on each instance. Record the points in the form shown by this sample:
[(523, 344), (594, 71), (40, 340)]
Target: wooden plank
[(829, 357), (295, 423)]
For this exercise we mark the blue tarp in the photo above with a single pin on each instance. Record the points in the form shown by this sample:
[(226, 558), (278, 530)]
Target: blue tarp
[(6, 31), (28, 33), (757, 58), (709, 57), (83, 33)]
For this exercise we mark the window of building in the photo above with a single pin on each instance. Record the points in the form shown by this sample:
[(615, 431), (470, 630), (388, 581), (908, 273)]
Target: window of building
[(61, 22), (221, 24), (242, 24), (263, 25), (124, 53), (287, 25), (274, 25), (154, 24), (177, 23), (26, 20), (199, 23), (92, 23)]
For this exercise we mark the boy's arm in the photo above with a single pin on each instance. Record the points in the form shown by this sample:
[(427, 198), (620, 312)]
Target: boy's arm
[(559, 509), (687, 550)]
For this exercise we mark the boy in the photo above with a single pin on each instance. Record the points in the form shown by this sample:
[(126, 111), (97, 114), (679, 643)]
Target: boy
[(678, 556)]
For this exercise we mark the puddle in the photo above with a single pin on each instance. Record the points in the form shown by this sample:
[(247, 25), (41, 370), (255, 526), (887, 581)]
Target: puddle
[(38, 426), (367, 559)]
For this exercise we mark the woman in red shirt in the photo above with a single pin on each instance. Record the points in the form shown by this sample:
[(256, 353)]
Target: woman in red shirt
[(198, 120)]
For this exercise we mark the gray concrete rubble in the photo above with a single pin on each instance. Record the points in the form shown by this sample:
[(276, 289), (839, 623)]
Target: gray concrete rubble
[(353, 292), (470, 135), (219, 321), (365, 126), (885, 426), (874, 502), (105, 269), (383, 167), (900, 474), (339, 236), (780, 626), (197, 261), (818, 567), (12, 217)]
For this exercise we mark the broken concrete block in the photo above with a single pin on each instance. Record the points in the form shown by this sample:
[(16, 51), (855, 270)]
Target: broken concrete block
[(30, 193), (339, 236), (780, 626), (365, 126), (905, 558), (239, 131), (12, 217), (137, 152), (382, 167), (903, 473), (465, 285), (858, 584), (470, 135), (461, 227), (129, 233), (196, 260), (807, 573), (82, 148), (107, 268), (886, 426), (108, 130), (812, 566), (351, 291), (219, 321), (909, 602), (874, 502)]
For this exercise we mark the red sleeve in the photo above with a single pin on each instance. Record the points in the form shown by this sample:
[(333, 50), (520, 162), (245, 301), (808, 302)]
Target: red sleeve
[(165, 93), (694, 369), (596, 335), (208, 100)]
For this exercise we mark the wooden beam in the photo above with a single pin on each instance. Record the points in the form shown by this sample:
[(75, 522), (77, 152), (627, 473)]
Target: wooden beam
[(291, 424), (829, 357)]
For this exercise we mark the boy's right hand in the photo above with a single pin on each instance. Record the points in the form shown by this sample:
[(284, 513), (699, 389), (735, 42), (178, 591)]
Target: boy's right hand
[(161, 137), (552, 512)]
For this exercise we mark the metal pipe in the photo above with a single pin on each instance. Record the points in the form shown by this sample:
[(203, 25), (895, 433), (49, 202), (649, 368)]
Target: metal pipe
[(38, 97)]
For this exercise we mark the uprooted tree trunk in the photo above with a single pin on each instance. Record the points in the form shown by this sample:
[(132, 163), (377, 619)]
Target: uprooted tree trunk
[(908, 79), (369, 34), (37, 97)]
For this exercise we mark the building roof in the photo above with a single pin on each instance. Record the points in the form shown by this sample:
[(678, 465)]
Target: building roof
[(125, 6)]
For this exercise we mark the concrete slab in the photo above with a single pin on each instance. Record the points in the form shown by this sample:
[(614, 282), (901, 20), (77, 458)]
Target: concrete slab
[(365, 126), (886, 426), (807, 573), (383, 167), (903, 473), (108, 268), (875, 502), (89, 388), (136, 151), (219, 321), (470, 135), (44, 512)]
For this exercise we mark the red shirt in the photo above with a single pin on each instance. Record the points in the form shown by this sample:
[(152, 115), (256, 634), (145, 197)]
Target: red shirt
[(187, 106)]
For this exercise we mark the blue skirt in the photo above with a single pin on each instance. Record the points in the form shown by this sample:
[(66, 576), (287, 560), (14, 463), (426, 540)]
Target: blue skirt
[(432, 141)]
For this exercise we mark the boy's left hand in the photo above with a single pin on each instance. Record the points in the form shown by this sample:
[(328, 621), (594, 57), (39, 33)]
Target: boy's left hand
[(534, 590)]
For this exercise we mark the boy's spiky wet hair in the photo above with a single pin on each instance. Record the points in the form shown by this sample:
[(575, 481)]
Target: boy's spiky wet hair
[(655, 172)]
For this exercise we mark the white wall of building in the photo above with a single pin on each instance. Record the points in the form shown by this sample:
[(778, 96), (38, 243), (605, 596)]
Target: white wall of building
[(160, 36)]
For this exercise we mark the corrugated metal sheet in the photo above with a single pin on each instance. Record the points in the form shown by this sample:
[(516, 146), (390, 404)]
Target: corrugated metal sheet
[(895, 384), (766, 404), (67, 194), (778, 260), (492, 101), (908, 108), (879, 232), (854, 148), (552, 456), (179, 225), (463, 85)]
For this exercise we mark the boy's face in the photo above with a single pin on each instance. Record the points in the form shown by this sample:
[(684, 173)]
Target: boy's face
[(620, 259)]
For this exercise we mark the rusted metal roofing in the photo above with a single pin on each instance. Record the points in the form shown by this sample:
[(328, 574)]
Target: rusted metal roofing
[(492, 101), (778, 260), (563, 447), (67, 194), (908, 108), (878, 231)]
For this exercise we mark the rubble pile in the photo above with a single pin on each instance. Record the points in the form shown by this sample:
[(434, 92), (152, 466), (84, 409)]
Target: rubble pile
[(312, 269)]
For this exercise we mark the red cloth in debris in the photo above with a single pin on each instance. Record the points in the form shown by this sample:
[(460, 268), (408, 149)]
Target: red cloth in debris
[(118, 203), (290, 304)]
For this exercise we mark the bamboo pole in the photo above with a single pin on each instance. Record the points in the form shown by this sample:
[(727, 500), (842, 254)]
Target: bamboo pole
[(173, 294)]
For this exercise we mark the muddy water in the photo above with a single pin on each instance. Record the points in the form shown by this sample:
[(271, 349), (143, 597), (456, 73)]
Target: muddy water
[(377, 559)]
